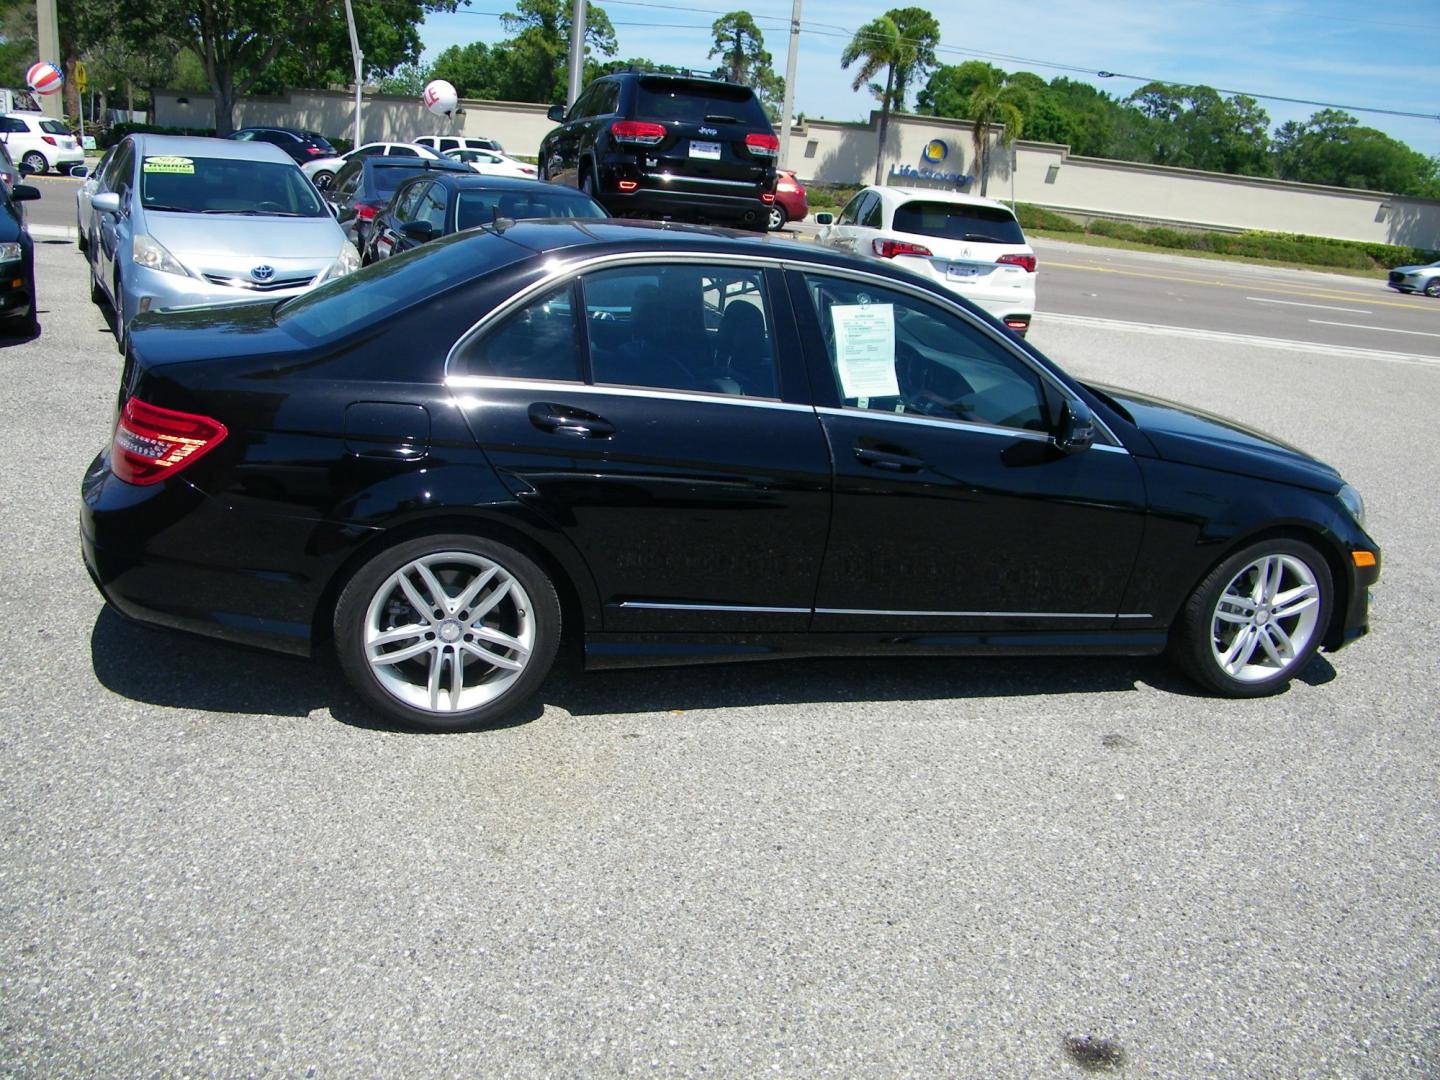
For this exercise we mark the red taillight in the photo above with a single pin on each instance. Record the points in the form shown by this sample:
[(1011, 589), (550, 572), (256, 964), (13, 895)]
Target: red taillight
[(366, 212), (50, 139), (764, 145), (628, 185), (1025, 262), (639, 131), (767, 197), (152, 443), (888, 249), (313, 151)]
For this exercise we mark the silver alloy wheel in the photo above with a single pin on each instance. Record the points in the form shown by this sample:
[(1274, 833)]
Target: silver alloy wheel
[(449, 632), (775, 218), (324, 179), (1265, 618), (36, 160)]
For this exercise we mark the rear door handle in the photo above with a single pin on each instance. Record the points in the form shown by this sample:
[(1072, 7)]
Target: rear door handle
[(564, 420), (882, 459)]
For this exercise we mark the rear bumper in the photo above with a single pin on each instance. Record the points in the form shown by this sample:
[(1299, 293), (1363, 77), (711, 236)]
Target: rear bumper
[(733, 202)]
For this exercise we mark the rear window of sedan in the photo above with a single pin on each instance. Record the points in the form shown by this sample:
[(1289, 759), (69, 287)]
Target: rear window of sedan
[(482, 207), (956, 221), (201, 185), (664, 99)]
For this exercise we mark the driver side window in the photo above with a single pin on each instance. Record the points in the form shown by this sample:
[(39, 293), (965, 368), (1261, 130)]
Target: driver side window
[(893, 352)]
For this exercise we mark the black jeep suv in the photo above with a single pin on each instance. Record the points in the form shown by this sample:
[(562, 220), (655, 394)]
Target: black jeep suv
[(657, 146)]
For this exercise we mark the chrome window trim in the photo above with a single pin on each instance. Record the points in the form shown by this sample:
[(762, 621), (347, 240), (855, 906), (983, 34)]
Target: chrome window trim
[(948, 304), (648, 605), (498, 382), (558, 270)]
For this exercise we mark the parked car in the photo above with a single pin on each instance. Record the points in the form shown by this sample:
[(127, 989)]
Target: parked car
[(791, 203), (972, 246), (84, 212), (365, 186), (430, 206), (17, 263), (1412, 279), (324, 170), (302, 146), (490, 163), (694, 446), (10, 173), (35, 140), (667, 146), (441, 143), (184, 220)]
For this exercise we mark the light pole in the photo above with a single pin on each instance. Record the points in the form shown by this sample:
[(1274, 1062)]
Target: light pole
[(577, 52), (47, 41), (788, 103), (359, 66)]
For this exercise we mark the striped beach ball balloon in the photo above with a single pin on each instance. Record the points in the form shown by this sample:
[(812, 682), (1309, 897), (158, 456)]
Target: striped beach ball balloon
[(44, 77)]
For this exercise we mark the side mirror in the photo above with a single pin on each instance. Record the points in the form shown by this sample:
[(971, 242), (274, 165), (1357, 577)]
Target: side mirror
[(419, 231), (79, 170), (108, 201), (824, 219), (556, 113), (24, 193), (24, 169), (1076, 430)]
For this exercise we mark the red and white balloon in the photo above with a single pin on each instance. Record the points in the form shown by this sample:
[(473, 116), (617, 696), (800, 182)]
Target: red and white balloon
[(440, 98), (44, 78)]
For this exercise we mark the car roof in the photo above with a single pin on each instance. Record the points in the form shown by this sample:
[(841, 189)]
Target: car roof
[(203, 146), (396, 161), (896, 194), (476, 181)]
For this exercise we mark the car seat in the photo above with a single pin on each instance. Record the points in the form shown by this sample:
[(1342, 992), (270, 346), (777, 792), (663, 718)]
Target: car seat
[(742, 350)]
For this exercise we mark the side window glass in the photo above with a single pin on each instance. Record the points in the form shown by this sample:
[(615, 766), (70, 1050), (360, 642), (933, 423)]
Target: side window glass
[(540, 341), (870, 216), (348, 179), (403, 151), (121, 167), (448, 144), (852, 208), (609, 98), (244, 136), (892, 352), (684, 327), (431, 207), (368, 151), (407, 201)]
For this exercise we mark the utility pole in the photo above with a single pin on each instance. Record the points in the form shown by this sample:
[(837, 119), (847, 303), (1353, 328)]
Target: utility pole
[(47, 41), (787, 106), (359, 58), (577, 52)]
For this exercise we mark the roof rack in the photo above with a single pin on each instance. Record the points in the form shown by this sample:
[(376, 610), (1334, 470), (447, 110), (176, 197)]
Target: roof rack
[(679, 73)]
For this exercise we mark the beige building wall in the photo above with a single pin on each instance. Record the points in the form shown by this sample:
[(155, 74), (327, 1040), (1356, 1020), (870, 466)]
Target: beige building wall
[(832, 152)]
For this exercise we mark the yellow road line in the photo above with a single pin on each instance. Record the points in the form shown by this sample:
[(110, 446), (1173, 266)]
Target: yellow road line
[(1350, 297)]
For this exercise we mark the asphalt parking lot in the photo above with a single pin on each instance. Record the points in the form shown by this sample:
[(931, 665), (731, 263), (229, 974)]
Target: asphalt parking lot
[(212, 861)]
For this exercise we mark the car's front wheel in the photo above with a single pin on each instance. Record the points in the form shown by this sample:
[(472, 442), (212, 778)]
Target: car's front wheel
[(1255, 620), (1432, 287), (448, 632)]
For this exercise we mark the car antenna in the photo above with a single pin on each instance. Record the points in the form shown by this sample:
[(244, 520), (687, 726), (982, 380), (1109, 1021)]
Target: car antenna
[(498, 223)]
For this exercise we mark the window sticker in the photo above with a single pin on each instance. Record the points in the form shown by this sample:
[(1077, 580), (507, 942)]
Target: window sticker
[(174, 165), (865, 349)]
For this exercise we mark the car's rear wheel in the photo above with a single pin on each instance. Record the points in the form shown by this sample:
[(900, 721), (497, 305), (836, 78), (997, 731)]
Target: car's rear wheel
[(1432, 287), (776, 219), (1255, 621), (117, 308), (448, 632), (36, 162), (323, 180), (81, 240)]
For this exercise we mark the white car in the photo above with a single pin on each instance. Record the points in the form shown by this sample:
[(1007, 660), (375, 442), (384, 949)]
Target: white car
[(442, 143), (972, 246), (489, 163), (322, 170), (35, 140)]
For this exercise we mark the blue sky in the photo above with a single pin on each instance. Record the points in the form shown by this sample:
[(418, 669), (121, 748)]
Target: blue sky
[(1327, 51)]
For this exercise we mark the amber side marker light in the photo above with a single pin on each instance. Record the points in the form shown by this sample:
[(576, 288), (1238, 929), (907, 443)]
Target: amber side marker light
[(1363, 558)]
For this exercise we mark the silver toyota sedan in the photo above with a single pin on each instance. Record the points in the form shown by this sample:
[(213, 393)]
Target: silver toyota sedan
[(181, 221)]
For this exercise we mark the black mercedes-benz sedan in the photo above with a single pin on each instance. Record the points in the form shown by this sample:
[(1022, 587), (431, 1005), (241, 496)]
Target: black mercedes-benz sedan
[(687, 446)]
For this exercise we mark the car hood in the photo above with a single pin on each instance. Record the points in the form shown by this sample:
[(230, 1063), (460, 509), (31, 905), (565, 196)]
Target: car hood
[(225, 235), (1192, 437), (1415, 269)]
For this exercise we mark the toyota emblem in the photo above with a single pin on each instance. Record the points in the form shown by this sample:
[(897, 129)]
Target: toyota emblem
[(263, 273)]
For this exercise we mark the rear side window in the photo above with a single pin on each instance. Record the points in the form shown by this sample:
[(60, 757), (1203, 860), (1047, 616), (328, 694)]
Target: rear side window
[(540, 341), (54, 127), (482, 206), (667, 99), (954, 221)]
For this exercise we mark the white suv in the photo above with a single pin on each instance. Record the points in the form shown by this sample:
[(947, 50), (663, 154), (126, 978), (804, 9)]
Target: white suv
[(972, 246), (35, 140), (442, 143)]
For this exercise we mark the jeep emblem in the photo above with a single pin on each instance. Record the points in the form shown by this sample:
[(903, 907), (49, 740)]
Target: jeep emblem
[(709, 131)]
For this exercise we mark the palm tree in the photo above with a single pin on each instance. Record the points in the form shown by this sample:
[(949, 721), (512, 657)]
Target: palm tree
[(992, 103), (879, 44)]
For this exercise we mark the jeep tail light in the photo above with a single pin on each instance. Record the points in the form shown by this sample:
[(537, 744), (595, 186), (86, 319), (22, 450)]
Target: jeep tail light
[(628, 185), (767, 196), (888, 249), (313, 151), (365, 212), (49, 139), (152, 443), (639, 131), (764, 145), (1025, 262)]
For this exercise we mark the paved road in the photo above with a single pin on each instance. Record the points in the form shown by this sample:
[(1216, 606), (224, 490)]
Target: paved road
[(212, 862)]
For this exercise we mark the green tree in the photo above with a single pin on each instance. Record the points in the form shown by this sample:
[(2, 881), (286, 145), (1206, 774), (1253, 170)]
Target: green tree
[(744, 59), (537, 56), (408, 80), (1332, 148), (991, 102), (922, 33), (879, 45)]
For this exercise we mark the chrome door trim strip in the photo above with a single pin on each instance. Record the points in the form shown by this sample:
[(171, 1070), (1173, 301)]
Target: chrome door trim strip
[(668, 178), (935, 421), (560, 386), (647, 605)]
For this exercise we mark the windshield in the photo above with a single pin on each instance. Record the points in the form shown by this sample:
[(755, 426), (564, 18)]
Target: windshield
[(956, 221), (482, 207), (666, 99), (201, 185)]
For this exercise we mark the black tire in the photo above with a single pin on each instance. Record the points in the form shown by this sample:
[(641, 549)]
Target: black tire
[(81, 240), (323, 179), (1432, 287), (587, 183), (97, 294), (22, 327), (36, 160), (117, 308), (531, 614), (1202, 631), (775, 218)]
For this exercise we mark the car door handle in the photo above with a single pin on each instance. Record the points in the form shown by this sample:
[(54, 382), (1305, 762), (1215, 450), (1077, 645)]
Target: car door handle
[(564, 420), (882, 459)]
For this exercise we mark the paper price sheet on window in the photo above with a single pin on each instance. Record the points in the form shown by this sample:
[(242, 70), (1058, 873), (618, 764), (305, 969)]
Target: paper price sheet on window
[(865, 349)]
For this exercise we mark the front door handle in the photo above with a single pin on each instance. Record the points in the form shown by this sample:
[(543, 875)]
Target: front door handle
[(883, 459), (565, 420)]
